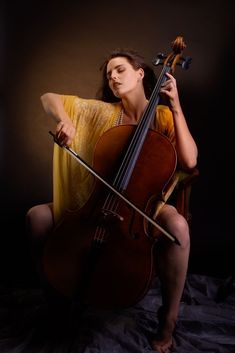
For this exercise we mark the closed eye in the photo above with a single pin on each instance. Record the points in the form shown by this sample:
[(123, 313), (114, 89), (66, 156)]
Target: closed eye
[(118, 68)]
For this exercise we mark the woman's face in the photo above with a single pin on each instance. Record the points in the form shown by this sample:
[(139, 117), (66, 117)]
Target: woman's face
[(122, 77)]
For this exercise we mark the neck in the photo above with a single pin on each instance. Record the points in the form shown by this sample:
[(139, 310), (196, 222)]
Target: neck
[(133, 110)]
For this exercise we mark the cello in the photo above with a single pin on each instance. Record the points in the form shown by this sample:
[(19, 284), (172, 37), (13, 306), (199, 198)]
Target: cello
[(103, 254)]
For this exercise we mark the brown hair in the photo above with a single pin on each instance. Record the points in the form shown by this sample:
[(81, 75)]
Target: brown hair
[(137, 61)]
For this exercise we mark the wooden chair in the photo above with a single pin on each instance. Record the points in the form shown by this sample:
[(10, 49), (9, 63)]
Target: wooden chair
[(183, 192), (178, 193)]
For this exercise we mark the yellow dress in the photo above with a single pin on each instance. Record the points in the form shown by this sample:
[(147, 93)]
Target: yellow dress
[(72, 183)]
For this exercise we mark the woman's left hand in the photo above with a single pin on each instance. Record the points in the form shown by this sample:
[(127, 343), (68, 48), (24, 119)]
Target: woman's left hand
[(169, 88)]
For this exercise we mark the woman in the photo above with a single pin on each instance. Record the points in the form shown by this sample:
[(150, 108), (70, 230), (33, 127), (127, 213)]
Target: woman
[(127, 84)]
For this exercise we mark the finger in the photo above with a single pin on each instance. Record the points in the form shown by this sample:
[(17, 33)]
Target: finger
[(169, 75), (59, 126)]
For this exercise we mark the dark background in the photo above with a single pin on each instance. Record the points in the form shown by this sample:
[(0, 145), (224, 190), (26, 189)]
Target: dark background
[(58, 46)]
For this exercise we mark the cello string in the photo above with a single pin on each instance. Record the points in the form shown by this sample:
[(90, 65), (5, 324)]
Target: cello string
[(134, 148), (136, 143)]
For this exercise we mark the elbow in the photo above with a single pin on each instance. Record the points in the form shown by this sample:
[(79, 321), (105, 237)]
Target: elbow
[(45, 98), (188, 159), (192, 165), (48, 101), (189, 164)]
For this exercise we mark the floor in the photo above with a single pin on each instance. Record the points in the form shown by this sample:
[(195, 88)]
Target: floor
[(206, 322)]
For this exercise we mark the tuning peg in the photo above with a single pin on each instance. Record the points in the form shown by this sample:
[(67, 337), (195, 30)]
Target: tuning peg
[(159, 59), (186, 62)]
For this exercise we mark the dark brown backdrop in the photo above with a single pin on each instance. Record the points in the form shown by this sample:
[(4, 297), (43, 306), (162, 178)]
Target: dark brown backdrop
[(58, 46)]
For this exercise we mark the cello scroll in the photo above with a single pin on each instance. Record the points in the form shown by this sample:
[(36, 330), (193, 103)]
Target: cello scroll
[(175, 57)]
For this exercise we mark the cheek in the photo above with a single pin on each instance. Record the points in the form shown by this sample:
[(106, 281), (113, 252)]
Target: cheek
[(110, 86), (131, 81)]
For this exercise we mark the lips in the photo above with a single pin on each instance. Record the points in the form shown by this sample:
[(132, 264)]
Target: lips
[(116, 84)]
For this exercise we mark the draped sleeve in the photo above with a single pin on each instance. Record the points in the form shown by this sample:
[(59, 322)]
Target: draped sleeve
[(72, 183), (164, 122)]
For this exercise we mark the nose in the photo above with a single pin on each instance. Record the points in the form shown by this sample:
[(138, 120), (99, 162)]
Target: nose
[(113, 76)]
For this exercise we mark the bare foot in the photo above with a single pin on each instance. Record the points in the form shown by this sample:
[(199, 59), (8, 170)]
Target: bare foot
[(162, 342)]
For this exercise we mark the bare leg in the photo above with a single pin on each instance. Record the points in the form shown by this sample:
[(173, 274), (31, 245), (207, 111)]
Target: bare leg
[(39, 222), (171, 266)]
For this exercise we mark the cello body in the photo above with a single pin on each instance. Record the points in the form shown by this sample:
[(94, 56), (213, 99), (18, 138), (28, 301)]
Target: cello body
[(104, 257)]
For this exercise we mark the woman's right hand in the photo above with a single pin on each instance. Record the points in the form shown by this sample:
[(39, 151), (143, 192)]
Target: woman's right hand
[(65, 133), (65, 130)]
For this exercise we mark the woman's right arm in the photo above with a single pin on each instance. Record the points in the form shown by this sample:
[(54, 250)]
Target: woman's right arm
[(53, 106)]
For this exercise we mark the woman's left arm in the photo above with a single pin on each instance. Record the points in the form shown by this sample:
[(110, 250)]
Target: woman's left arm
[(186, 147)]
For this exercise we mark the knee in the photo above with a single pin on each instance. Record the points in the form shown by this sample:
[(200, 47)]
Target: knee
[(181, 231), (30, 216), (176, 224), (31, 213), (35, 215), (39, 220)]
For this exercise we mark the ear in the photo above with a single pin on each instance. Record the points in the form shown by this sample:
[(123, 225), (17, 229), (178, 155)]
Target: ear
[(141, 73)]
